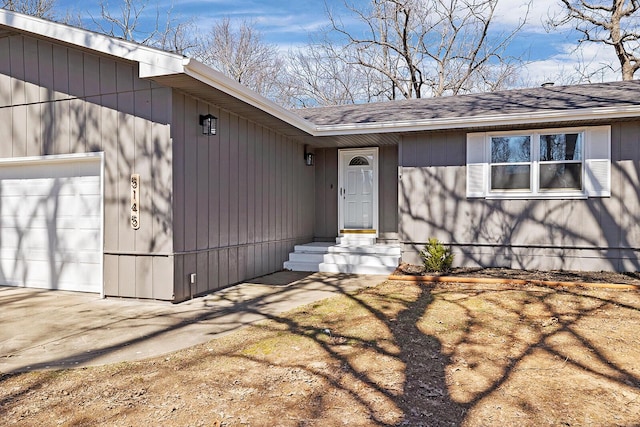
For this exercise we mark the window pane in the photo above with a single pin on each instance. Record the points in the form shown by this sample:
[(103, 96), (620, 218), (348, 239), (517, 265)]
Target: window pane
[(565, 146), (510, 177), (561, 176), (359, 161), (510, 149)]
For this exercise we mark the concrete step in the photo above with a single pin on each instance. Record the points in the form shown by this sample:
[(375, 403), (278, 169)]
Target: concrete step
[(355, 269), (349, 256), (356, 240), (377, 249), (346, 258), (315, 247), (301, 266)]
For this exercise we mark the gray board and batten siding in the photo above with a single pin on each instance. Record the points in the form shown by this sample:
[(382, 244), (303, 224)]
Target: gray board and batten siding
[(58, 100), (600, 233), (243, 199), (585, 234), (228, 207)]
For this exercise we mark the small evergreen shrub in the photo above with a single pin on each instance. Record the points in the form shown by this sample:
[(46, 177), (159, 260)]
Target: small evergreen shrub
[(436, 257)]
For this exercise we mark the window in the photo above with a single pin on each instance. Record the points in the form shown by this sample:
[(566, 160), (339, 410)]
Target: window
[(511, 162), (359, 161), (557, 163)]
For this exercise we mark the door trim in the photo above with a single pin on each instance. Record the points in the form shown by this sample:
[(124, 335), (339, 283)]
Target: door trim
[(342, 154)]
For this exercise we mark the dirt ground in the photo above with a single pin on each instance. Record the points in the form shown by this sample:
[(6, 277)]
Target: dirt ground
[(632, 278), (398, 354)]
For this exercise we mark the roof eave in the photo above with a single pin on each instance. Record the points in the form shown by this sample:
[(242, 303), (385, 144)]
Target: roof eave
[(227, 85), (521, 119), (152, 61)]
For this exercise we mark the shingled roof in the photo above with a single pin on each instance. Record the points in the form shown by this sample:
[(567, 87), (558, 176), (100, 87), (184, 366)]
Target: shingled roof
[(534, 101)]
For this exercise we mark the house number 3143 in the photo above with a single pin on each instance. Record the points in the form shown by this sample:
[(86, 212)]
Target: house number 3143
[(135, 201)]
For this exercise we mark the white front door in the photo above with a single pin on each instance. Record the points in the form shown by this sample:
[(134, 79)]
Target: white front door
[(358, 191)]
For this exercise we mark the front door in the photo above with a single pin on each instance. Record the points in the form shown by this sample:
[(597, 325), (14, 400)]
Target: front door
[(358, 191)]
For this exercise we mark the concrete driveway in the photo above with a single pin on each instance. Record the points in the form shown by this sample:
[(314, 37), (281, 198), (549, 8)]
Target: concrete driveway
[(56, 329)]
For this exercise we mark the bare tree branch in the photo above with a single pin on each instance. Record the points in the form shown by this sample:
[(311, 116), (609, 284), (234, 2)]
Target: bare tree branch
[(39, 8), (430, 47), (614, 24), (242, 55)]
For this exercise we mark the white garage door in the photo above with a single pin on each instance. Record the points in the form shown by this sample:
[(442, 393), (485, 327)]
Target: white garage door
[(51, 219)]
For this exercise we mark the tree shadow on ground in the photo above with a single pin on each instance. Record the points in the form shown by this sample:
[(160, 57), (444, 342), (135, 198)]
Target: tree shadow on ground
[(398, 354)]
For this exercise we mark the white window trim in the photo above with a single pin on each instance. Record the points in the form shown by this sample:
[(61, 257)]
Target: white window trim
[(596, 165)]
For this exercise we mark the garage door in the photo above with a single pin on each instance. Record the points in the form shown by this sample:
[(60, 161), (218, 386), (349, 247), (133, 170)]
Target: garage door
[(51, 220)]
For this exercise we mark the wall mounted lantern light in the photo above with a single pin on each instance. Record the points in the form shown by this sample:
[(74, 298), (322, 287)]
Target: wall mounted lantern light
[(209, 124), (308, 157)]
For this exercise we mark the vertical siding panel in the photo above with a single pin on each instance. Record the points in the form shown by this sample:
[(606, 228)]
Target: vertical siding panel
[(6, 115), (48, 128), (161, 169), (233, 265), (250, 269), (17, 70), (213, 281), (280, 188), (126, 276), (62, 125), (93, 125), (111, 275), (32, 80), (319, 184), (243, 179), (389, 189), (162, 278), (224, 184), (144, 277), (259, 211), (291, 189), (191, 175), (178, 172), (276, 190), (144, 237), (45, 70), (233, 182), (109, 119), (77, 126), (69, 72), (107, 76), (5, 73), (19, 131), (259, 259), (124, 77), (190, 267), (323, 190), (223, 267), (242, 264), (251, 183), (179, 289), (202, 272), (126, 158), (58, 60), (273, 186), (34, 130), (92, 76), (203, 167), (214, 195)]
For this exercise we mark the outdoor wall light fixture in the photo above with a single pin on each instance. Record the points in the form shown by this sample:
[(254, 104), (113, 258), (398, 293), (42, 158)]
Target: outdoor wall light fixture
[(209, 124), (308, 157)]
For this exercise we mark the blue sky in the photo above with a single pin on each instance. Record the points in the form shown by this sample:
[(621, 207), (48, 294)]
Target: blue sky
[(288, 23)]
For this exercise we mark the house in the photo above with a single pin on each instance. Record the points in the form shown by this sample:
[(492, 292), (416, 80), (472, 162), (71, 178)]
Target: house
[(134, 172)]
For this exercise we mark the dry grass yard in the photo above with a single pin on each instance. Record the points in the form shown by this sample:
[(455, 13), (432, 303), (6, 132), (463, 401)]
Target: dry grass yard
[(393, 355)]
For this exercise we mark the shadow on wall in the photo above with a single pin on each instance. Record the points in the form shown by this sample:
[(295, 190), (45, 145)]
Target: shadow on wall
[(592, 234)]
